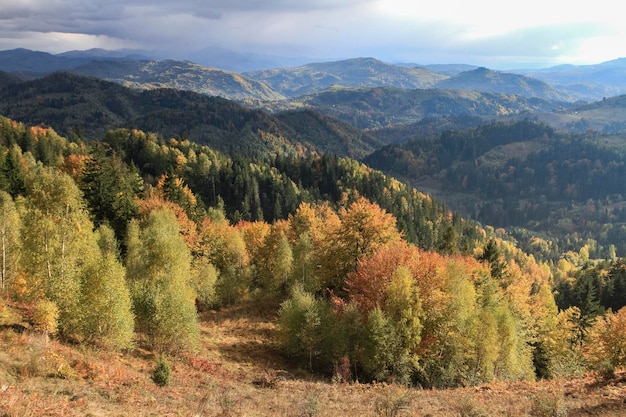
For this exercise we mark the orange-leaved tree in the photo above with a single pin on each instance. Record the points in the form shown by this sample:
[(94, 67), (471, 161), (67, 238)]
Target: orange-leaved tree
[(364, 228)]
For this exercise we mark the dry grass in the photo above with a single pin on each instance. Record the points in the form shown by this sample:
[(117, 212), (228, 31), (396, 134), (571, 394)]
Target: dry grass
[(239, 372)]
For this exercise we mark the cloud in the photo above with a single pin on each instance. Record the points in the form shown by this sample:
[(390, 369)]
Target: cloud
[(484, 32)]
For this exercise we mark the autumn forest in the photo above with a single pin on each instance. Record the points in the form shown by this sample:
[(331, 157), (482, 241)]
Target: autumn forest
[(121, 242)]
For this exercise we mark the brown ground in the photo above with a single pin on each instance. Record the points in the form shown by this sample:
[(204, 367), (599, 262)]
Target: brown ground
[(239, 372)]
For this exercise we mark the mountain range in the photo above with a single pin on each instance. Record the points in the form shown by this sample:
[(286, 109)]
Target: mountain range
[(180, 75), (372, 107), (586, 82), (86, 107), (143, 71), (465, 134)]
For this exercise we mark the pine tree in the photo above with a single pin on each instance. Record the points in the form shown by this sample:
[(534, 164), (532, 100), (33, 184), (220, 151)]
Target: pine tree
[(111, 189)]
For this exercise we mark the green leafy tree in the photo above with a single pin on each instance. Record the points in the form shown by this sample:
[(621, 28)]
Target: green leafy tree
[(304, 266), (300, 323), (204, 280), (383, 356), (404, 309), (275, 260), (58, 237), (10, 242), (223, 245), (158, 268), (107, 319)]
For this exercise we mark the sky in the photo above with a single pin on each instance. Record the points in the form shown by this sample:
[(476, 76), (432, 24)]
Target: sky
[(492, 33)]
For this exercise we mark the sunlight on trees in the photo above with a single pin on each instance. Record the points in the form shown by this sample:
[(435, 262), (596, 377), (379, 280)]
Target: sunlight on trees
[(114, 246), (158, 268)]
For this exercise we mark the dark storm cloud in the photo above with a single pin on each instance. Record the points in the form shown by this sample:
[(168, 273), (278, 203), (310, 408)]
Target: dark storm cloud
[(394, 30)]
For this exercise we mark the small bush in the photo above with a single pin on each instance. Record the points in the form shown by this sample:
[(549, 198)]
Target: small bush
[(309, 406), (468, 408), (45, 317), (64, 371), (161, 373), (548, 404), (343, 372), (269, 379), (393, 402)]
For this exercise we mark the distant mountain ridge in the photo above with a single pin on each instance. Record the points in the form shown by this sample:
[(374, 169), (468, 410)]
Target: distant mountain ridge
[(585, 82), (99, 53), (180, 75), (357, 72), (20, 60), (486, 80), (384, 106), (87, 107), (563, 83)]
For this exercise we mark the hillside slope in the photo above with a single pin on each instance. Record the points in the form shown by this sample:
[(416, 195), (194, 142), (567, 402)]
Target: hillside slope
[(483, 79), (239, 371), (180, 75), (88, 107), (383, 106), (525, 176), (358, 72), (607, 116)]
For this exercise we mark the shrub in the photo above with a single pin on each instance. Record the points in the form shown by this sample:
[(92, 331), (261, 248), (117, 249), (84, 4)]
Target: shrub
[(45, 317), (161, 373), (548, 404), (392, 402), (309, 406), (468, 408)]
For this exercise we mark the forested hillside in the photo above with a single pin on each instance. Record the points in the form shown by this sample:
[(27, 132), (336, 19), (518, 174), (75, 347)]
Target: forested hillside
[(367, 107), (125, 216), (483, 79), (607, 116), (358, 72), (117, 243), (537, 182), (180, 75), (86, 108)]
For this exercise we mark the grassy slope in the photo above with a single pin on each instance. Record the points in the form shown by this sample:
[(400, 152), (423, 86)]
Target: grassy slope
[(239, 372)]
